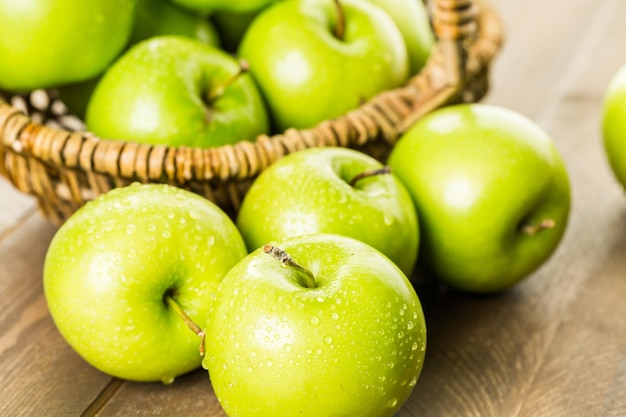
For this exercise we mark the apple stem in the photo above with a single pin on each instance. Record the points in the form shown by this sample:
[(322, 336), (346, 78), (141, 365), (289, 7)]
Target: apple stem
[(282, 256), (219, 89), (533, 229), (340, 28), (171, 302), (371, 173)]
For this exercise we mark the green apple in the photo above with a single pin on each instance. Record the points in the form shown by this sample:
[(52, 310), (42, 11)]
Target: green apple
[(176, 91), (318, 190), (315, 60), (211, 6), (614, 124), (491, 190), (320, 326), (128, 272), (161, 17), (153, 18), (46, 43), (411, 17)]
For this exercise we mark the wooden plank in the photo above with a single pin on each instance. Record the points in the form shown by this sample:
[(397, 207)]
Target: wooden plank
[(15, 207), (189, 395), (40, 374), (585, 368)]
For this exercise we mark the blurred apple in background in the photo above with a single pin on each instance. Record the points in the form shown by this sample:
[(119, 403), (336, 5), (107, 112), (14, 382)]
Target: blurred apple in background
[(162, 17), (412, 19), (492, 193), (153, 18), (614, 125), (46, 43), (210, 6)]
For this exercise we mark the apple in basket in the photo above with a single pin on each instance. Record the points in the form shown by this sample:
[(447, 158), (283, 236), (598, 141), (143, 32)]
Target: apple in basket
[(316, 326), (316, 60), (176, 91), (152, 18), (411, 17), (331, 190), (491, 190), (161, 17), (128, 275), (614, 125), (231, 26), (46, 43), (212, 6)]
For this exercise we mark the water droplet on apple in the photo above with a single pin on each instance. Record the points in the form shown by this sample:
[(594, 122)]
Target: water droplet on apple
[(414, 346), (334, 316), (318, 351), (249, 369), (410, 325), (388, 219), (167, 380), (328, 340), (392, 403), (166, 234), (314, 320), (413, 382), (130, 229), (211, 240), (270, 363), (287, 348)]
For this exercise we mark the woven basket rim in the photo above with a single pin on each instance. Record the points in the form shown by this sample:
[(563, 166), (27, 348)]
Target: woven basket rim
[(469, 33)]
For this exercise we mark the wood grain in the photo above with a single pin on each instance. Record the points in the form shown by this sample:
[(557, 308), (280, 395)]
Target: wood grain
[(553, 346)]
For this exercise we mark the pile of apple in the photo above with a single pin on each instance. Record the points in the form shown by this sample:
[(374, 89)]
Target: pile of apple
[(207, 73), (303, 303)]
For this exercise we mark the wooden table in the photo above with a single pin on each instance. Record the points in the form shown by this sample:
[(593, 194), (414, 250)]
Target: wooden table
[(555, 345)]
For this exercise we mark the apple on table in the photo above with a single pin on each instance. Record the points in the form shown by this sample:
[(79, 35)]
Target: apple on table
[(614, 125), (492, 193), (132, 273), (315, 326), (316, 60), (176, 91), (331, 190)]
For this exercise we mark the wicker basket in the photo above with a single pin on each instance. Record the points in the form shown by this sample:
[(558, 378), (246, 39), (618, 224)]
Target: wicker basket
[(46, 154)]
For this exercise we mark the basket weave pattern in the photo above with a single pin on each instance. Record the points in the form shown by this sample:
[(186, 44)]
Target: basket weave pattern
[(46, 154)]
